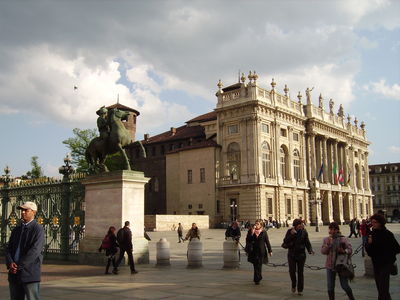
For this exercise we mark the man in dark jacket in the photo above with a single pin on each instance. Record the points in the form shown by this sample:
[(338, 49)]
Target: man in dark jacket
[(382, 247), (124, 238), (233, 232), (296, 241), (24, 255)]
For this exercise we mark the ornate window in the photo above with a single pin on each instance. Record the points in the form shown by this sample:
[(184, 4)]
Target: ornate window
[(202, 175), (266, 160), (189, 176), (358, 177), (364, 178), (233, 155), (284, 162), (296, 165)]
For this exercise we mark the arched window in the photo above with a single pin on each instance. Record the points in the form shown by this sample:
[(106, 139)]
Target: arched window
[(284, 162), (296, 165), (266, 160), (233, 156), (156, 184)]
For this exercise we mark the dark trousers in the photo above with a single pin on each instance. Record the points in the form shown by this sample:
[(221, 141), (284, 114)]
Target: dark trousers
[(257, 271), (353, 232), (19, 290), (111, 259), (297, 264), (382, 280), (180, 237), (130, 258)]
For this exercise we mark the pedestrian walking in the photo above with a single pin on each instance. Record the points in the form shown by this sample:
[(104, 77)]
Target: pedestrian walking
[(364, 232), (180, 233), (193, 233), (110, 245), (296, 241), (353, 225), (24, 255), (257, 248), (382, 247), (124, 238), (332, 246)]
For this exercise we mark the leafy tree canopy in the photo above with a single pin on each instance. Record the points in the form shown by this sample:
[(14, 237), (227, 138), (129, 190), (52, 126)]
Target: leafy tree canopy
[(77, 145)]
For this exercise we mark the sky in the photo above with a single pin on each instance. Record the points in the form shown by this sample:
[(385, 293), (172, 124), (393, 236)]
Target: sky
[(164, 59)]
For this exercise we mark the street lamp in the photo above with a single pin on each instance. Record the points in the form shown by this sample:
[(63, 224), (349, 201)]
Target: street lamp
[(6, 178), (66, 169), (233, 210)]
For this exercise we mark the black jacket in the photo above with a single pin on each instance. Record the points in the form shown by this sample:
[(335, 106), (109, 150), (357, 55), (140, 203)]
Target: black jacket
[(383, 248), (124, 237), (233, 233), (297, 243), (259, 247), (30, 259)]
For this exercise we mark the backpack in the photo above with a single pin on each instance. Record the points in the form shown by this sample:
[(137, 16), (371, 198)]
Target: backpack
[(121, 236), (106, 244)]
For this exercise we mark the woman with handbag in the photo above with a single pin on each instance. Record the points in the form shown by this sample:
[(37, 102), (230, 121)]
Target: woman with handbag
[(382, 247), (334, 245), (257, 243), (110, 244), (296, 241)]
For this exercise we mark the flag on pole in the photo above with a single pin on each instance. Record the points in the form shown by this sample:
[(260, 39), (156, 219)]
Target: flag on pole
[(335, 174), (341, 176), (321, 171)]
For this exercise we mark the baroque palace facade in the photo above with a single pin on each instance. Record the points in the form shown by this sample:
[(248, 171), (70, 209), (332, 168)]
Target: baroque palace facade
[(260, 154)]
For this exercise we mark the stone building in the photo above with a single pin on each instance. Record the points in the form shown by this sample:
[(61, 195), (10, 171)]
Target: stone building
[(385, 185), (261, 154)]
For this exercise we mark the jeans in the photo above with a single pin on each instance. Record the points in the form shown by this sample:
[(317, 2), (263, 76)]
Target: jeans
[(364, 242), (331, 277), (299, 263), (382, 280), (19, 290)]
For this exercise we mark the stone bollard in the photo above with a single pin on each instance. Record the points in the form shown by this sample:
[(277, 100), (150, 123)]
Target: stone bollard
[(231, 254), (369, 268), (195, 253), (163, 254)]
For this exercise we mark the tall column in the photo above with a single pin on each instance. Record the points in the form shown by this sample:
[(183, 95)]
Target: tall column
[(340, 208), (312, 145), (335, 159), (308, 157), (345, 163), (366, 171), (303, 163), (325, 158), (277, 152)]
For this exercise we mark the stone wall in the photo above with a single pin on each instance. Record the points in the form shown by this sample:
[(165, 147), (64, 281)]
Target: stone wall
[(167, 222)]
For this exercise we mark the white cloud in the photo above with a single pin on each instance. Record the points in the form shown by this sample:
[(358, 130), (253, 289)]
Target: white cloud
[(394, 149), (380, 87)]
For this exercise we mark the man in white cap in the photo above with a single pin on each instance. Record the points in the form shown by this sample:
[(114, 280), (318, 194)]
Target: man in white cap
[(24, 255)]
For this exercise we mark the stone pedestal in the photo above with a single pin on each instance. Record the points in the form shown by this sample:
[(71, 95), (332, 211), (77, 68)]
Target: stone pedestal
[(111, 199)]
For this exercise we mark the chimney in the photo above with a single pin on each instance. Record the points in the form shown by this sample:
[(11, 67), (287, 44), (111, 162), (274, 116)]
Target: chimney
[(173, 130), (146, 136)]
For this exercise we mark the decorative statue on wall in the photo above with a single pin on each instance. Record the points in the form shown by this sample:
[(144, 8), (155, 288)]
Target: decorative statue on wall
[(113, 138), (331, 104)]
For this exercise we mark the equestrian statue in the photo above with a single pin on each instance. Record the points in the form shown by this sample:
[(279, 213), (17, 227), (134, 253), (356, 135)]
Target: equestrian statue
[(113, 138)]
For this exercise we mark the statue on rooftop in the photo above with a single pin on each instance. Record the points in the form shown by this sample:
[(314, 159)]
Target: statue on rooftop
[(308, 95), (341, 111), (331, 104)]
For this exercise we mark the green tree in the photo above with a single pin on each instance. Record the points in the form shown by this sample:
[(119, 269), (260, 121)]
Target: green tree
[(77, 145), (36, 170)]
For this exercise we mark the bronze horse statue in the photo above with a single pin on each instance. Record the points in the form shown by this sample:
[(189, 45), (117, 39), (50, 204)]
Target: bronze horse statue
[(118, 137)]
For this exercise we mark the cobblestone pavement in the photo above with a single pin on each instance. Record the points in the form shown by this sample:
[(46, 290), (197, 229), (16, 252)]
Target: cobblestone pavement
[(63, 281)]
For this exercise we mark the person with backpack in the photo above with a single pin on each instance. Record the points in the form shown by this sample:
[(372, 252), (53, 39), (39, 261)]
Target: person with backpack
[(109, 244), (334, 245), (124, 238), (296, 241)]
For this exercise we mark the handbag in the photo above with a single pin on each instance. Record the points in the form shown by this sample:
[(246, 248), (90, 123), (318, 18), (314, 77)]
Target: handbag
[(343, 266), (393, 269)]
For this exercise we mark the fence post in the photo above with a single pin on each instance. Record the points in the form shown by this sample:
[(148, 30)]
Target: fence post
[(5, 179), (65, 170)]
